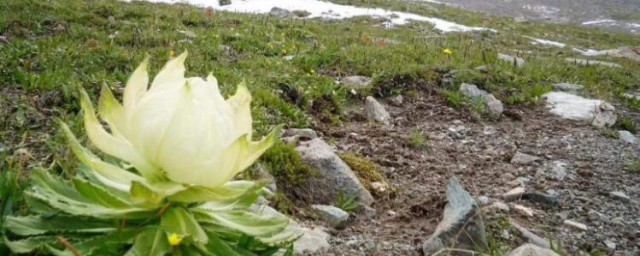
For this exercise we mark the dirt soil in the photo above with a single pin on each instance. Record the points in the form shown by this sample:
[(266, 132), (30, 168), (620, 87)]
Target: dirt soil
[(481, 158)]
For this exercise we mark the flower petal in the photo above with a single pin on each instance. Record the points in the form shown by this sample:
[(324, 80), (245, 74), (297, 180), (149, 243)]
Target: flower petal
[(111, 145), (112, 112), (256, 149), (136, 87), (172, 74), (241, 105)]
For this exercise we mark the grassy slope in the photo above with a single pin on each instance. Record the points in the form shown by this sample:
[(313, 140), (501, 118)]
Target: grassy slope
[(58, 45)]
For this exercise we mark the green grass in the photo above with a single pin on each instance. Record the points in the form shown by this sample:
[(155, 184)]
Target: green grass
[(58, 46)]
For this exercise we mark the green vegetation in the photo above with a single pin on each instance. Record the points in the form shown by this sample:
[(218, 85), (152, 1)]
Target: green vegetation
[(347, 203), (285, 165), (625, 123), (417, 139), (633, 166), (366, 170)]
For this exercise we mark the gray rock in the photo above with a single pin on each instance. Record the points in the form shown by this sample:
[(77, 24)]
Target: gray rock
[(529, 236), (501, 206), (540, 197), (513, 194), (472, 91), (610, 245), (573, 107), (225, 49), (532, 250), (459, 217), (356, 82), (484, 200), (334, 216), (188, 33), (483, 69), (296, 134), (281, 13), (622, 52), (333, 174), (585, 62), (376, 111), (396, 100), (620, 195), (492, 106), (556, 170), (524, 210), (523, 159), (224, 2), (458, 132), (627, 136), (518, 62), (261, 172), (566, 87)]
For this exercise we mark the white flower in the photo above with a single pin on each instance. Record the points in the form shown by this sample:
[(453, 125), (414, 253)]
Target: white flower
[(180, 130)]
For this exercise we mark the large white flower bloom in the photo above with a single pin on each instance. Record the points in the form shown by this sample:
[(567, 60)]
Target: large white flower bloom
[(180, 130)]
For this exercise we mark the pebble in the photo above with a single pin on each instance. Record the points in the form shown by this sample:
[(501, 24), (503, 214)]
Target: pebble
[(504, 207), (523, 209), (610, 244), (513, 194), (575, 225), (620, 195)]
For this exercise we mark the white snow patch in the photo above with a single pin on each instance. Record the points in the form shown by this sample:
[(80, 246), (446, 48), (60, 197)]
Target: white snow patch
[(546, 42), (327, 10), (587, 52), (595, 22), (571, 106)]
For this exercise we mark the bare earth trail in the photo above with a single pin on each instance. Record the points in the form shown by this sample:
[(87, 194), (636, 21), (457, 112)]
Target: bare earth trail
[(618, 15), (480, 156)]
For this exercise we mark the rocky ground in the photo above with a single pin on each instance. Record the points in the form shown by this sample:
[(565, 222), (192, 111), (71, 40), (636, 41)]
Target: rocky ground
[(619, 15), (568, 172)]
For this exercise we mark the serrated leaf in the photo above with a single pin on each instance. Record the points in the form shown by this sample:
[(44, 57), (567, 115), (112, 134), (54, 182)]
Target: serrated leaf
[(229, 192), (99, 195), (38, 225), (220, 247), (178, 220), (248, 223), (102, 245), (150, 242), (30, 244)]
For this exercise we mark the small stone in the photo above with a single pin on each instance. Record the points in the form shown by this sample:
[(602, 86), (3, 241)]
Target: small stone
[(458, 131), (379, 187), (484, 200), (584, 62), (493, 106), (188, 33), (501, 206), (482, 69), (356, 82), (288, 57), (225, 49), (376, 111), (523, 159), (523, 210), (620, 195), (532, 250), (575, 225), (396, 100), (303, 134), (610, 245), (224, 2), (539, 197), (391, 213), (627, 136), (472, 91), (566, 87), (518, 62), (513, 194), (334, 216)]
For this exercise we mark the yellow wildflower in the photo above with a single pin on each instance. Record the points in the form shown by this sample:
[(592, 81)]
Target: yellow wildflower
[(172, 53), (174, 239), (448, 51)]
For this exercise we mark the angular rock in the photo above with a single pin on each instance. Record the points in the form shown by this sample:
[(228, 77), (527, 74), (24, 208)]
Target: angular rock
[(492, 106), (573, 107), (518, 62), (620, 195), (557, 170), (523, 159), (567, 87), (335, 216), (584, 62), (281, 13), (356, 82), (532, 250), (396, 100), (513, 194), (261, 172), (484, 200), (333, 174), (632, 53), (628, 137), (296, 134), (376, 111), (501, 206), (540, 197), (529, 236), (524, 210), (459, 217), (575, 225)]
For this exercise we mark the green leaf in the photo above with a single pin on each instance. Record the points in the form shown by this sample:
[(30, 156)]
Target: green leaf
[(141, 194), (180, 221), (30, 244), (99, 195), (151, 242), (220, 247), (110, 244), (38, 225), (245, 222), (229, 192)]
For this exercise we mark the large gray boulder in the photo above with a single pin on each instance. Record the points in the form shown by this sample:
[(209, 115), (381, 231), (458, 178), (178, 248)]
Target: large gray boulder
[(573, 107), (532, 250), (461, 226), (333, 175)]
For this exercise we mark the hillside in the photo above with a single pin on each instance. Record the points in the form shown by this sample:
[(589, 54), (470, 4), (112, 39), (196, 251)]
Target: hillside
[(455, 94)]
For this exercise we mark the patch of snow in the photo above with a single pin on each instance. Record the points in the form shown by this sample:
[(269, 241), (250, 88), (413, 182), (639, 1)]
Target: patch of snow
[(571, 106), (546, 42), (595, 22), (587, 52), (327, 10)]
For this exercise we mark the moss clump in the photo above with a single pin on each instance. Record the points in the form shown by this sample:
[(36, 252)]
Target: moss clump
[(284, 163), (366, 170)]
